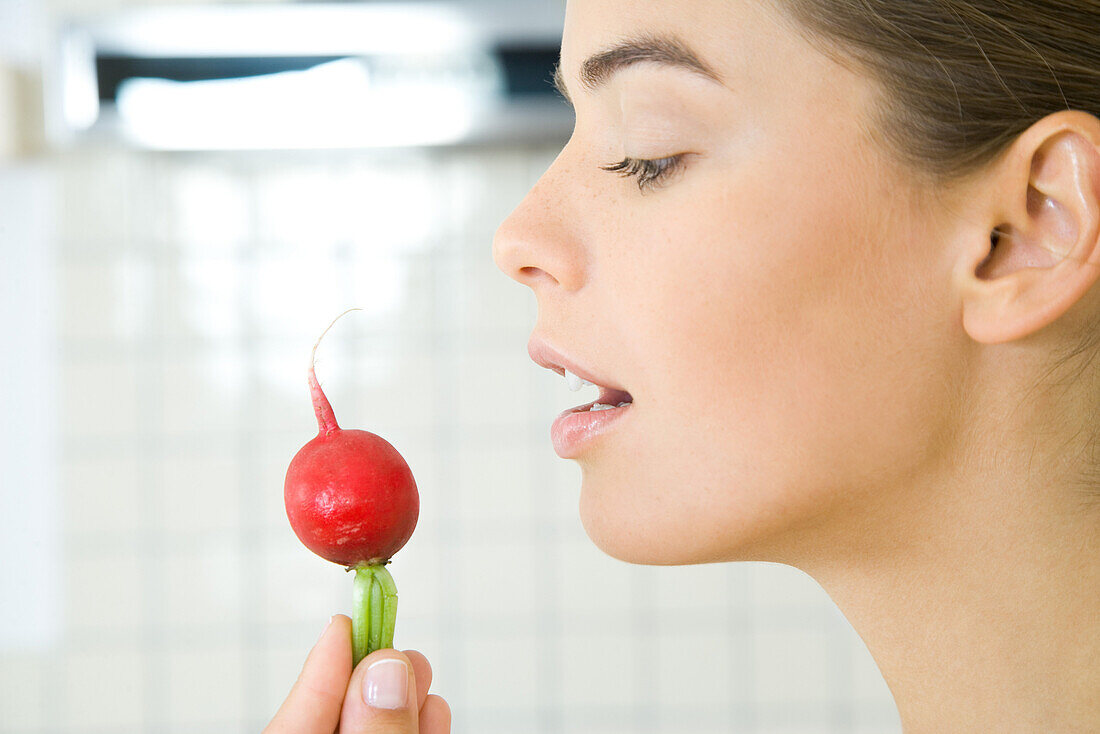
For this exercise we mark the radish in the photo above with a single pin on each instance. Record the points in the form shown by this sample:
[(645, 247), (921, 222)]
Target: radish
[(351, 499)]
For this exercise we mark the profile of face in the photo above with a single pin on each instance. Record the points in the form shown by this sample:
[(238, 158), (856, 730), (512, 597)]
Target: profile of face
[(757, 275)]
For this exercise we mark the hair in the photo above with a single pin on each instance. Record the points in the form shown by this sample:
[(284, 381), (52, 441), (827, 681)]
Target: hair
[(960, 81), (964, 77)]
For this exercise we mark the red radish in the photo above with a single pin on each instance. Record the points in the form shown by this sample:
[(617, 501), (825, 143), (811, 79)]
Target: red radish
[(351, 499)]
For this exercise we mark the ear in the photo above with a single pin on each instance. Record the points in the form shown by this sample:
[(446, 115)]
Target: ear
[(1044, 252)]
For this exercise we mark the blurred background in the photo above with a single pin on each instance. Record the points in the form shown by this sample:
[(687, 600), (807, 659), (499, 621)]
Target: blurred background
[(188, 195)]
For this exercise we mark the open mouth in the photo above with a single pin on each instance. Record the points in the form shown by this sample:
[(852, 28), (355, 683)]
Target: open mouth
[(577, 378), (609, 398), (575, 429)]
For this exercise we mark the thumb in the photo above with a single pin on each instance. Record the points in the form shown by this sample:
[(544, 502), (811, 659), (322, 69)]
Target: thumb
[(381, 697)]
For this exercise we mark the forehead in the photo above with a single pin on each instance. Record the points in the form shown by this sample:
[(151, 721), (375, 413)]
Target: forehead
[(729, 35)]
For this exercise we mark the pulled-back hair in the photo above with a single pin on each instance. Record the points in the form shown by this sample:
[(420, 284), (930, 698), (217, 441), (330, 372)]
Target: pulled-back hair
[(964, 77)]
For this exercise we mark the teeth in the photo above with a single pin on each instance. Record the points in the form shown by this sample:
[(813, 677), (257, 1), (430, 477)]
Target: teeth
[(604, 406), (575, 383)]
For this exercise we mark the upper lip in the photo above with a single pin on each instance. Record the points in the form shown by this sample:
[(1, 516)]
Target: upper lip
[(546, 356)]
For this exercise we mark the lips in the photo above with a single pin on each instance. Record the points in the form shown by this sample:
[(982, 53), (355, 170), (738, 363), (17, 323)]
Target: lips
[(577, 430), (546, 356)]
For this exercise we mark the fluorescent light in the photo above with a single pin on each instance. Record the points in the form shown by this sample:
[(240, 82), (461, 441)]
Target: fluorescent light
[(333, 105), (288, 30)]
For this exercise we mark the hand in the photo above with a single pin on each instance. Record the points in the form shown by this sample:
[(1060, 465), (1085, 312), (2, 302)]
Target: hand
[(330, 697)]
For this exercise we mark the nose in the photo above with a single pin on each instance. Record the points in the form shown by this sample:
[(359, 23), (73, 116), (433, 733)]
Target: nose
[(537, 244)]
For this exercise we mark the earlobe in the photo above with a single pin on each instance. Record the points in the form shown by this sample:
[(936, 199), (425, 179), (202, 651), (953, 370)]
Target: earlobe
[(1045, 254)]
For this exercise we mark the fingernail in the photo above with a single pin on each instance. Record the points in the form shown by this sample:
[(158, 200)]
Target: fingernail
[(386, 684)]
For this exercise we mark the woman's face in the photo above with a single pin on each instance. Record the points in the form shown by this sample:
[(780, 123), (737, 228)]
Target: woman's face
[(776, 306)]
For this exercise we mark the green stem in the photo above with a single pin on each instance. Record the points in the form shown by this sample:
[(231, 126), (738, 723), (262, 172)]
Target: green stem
[(373, 610), (375, 614), (389, 614), (360, 613)]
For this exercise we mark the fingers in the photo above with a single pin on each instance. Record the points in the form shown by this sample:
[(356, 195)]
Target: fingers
[(422, 669), (435, 716), (382, 696), (314, 703)]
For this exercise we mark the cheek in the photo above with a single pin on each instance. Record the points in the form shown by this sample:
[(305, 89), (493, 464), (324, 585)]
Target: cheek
[(771, 328)]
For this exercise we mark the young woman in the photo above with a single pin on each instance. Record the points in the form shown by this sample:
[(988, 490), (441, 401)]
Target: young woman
[(835, 264)]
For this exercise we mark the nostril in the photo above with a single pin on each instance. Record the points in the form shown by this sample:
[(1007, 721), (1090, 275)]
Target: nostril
[(533, 275)]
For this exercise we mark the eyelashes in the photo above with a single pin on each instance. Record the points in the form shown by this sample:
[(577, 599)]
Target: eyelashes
[(649, 172)]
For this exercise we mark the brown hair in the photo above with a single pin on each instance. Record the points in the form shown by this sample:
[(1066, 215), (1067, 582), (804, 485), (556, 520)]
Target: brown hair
[(964, 77)]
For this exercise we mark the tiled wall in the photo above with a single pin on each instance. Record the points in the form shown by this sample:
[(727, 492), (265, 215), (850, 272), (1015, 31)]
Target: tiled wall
[(184, 295)]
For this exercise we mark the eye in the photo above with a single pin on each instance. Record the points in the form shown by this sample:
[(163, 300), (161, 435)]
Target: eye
[(649, 172)]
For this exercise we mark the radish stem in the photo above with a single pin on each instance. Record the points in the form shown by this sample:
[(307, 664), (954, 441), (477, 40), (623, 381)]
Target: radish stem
[(326, 419), (389, 615), (373, 610), (375, 636), (360, 613)]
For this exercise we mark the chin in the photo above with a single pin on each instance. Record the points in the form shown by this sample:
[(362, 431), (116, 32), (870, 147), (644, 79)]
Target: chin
[(629, 523), (637, 523)]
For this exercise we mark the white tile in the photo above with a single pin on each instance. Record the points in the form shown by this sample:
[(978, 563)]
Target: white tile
[(573, 723), (694, 669), (104, 591), (434, 472), (281, 669), (268, 477), (493, 484), (599, 586), (599, 670), (112, 298), (562, 480), (377, 392), (416, 311), (498, 579), (499, 672), (203, 297), (203, 392), (104, 690), (203, 584), (204, 686), (417, 571), (494, 304), (394, 208), (201, 494), (210, 210), (693, 587), (299, 587), (791, 668), (878, 717), (104, 497), (91, 192), (501, 719), (778, 725), (23, 690), (102, 397), (298, 205), (88, 300), (493, 385)]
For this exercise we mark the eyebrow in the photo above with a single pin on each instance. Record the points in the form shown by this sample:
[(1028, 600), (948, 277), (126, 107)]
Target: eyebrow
[(664, 50)]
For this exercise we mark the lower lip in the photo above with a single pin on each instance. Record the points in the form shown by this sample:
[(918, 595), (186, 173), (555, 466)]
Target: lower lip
[(576, 428)]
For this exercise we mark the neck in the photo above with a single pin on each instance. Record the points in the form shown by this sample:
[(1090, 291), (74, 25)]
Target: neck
[(980, 605)]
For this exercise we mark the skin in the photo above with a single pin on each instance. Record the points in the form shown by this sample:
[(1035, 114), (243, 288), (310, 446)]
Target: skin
[(830, 368), (328, 695)]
